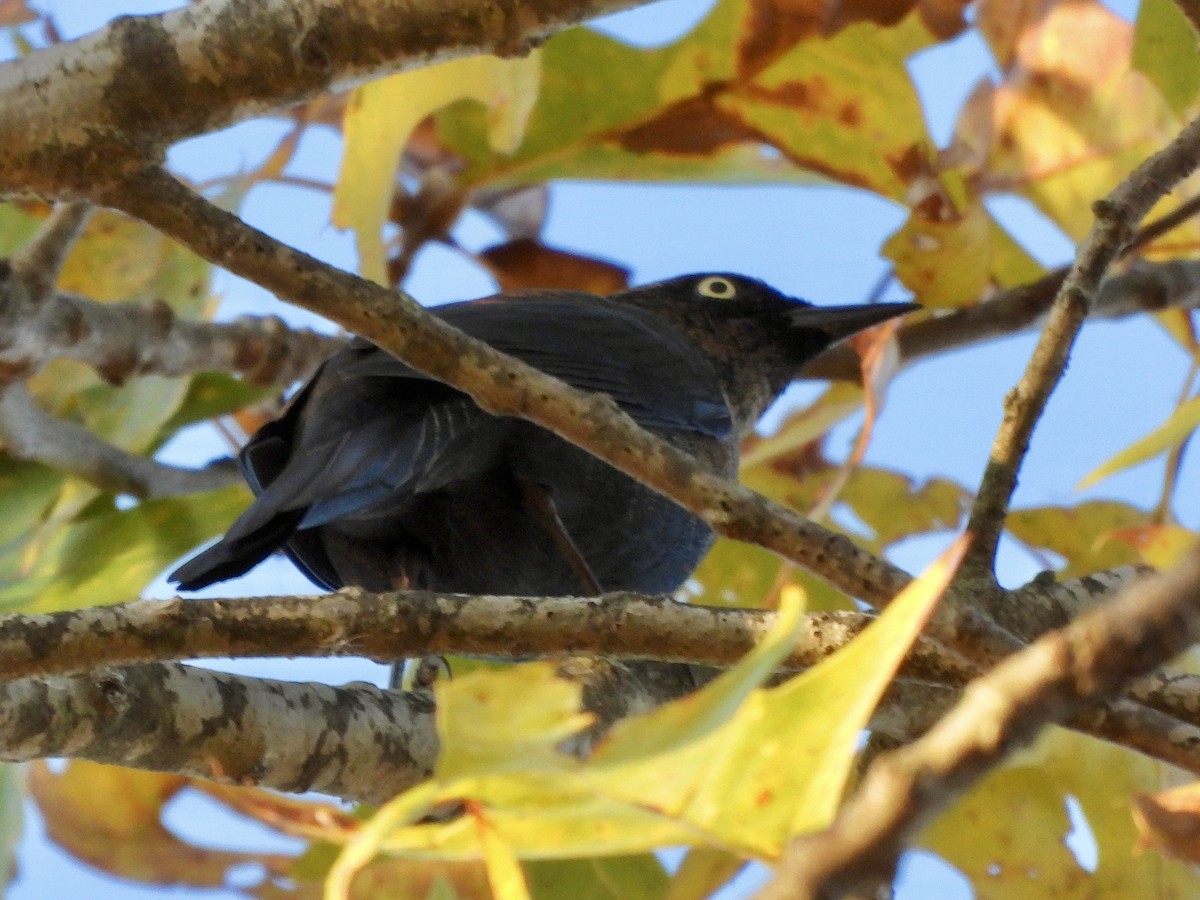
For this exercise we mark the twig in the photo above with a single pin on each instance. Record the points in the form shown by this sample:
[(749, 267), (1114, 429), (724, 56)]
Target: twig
[(1052, 679), (1116, 217), (39, 262), (80, 111), (32, 434), (121, 340)]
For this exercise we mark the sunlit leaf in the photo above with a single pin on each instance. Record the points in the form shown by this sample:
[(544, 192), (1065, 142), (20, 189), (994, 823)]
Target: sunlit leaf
[(12, 821), (843, 107), (110, 555), (1009, 833), (1079, 534), (1160, 546), (730, 782), (504, 871), (1171, 433), (381, 116), (639, 877), (944, 259), (1071, 119)]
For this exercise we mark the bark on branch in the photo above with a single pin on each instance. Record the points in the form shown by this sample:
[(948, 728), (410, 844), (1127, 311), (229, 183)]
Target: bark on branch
[(357, 741)]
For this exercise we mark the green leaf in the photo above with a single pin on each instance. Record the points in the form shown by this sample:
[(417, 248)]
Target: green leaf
[(1166, 52), (639, 877), (109, 556), (1171, 433), (212, 394), (844, 106), (12, 822)]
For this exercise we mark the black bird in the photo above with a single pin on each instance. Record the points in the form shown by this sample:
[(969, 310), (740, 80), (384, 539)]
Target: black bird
[(380, 477)]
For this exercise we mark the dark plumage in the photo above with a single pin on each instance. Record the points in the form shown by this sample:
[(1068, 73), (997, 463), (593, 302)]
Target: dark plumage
[(380, 477)]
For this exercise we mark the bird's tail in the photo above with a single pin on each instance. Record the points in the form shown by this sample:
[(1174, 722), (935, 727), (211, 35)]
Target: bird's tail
[(235, 556)]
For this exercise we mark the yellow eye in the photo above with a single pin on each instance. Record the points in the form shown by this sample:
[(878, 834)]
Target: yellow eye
[(717, 288)]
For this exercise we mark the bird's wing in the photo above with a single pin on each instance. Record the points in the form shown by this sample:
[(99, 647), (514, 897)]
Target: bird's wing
[(654, 373)]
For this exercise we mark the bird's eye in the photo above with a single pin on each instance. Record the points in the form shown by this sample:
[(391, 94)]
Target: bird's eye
[(717, 288)]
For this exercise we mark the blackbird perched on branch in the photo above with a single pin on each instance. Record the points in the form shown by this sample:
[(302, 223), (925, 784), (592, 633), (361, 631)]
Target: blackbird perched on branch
[(380, 477)]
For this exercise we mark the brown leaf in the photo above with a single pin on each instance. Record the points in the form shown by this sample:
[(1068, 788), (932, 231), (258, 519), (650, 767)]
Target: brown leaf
[(772, 27), (300, 818), (525, 264), (1169, 821), (694, 127), (15, 12), (111, 818)]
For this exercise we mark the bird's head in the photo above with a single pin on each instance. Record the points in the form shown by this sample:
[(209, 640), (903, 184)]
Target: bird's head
[(757, 338)]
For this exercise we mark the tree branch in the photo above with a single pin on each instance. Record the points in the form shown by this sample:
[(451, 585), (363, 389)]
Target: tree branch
[(1058, 676), (30, 433), (40, 261), (1145, 287), (1116, 217), (121, 340), (356, 742), (84, 110), (385, 627)]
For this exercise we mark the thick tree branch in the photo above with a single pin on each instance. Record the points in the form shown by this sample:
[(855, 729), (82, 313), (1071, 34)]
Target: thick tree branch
[(1116, 217), (79, 111), (356, 742), (30, 433), (1056, 677)]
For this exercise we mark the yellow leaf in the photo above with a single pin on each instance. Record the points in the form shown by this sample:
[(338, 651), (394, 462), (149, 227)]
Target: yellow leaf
[(732, 765), (702, 873), (1009, 834), (1175, 430), (1160, 546), (487, 725), (944, 260), (1080, 534), (381, 115), (779, 765), (504, 872)]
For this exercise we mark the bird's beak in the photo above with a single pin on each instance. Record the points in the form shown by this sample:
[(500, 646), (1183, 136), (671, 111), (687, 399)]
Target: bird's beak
[(840, 322)]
